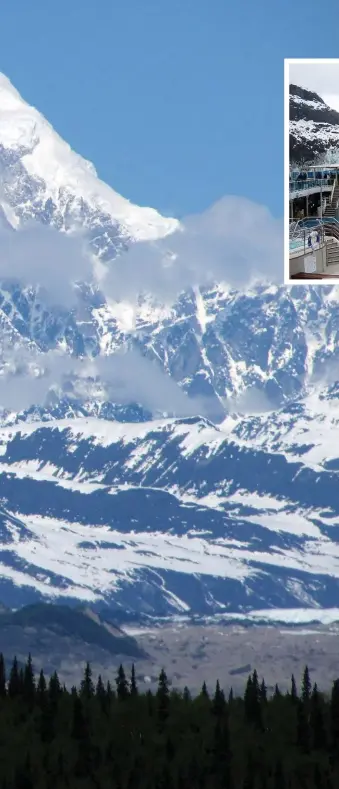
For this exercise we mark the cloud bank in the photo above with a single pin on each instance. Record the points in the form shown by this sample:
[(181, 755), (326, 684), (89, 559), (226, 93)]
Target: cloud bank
[(129, 376), (28, 379), (45, 258), (235, 241)]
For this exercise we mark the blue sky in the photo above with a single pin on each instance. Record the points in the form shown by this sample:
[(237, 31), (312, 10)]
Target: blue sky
[(177, 103)]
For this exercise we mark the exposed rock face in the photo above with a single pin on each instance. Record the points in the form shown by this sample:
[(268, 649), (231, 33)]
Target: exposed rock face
[(314, 127)]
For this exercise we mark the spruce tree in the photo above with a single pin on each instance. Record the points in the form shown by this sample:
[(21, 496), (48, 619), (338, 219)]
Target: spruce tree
[(150, 704), (294, 692), (47, 721), (204, 691), (87, 686), (54, 689), (167, 739), (317, 723), (14, 684), (41, 690), (306, 686), (3, 691), (252, 701), (218, 701), (255, 681), (133, 683), (100, 691), (21, 679), (303, 729), (169, 749), (263, 692), (109, 692), (222, 751), (163, 696), (248, 697), (79, 723), (29, 681), (122, 684), (334, 717), (277, 692)]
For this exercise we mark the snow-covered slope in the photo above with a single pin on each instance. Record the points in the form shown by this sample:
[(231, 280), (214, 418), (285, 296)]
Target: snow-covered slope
[(254, 351), (42, 178), (175, 515), (314, 127), (103, 498)]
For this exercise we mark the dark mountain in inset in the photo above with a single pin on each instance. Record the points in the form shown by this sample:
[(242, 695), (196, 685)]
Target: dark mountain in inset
[(314, 126)]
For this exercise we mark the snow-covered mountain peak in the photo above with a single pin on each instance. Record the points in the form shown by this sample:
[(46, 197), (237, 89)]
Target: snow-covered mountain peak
[(42, 173), (10, 98)]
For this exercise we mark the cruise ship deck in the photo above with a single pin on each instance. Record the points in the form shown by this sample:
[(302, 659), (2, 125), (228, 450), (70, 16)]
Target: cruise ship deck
[(314, 223)]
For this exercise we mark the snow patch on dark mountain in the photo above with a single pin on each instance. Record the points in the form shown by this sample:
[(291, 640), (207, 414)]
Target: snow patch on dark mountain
[(313, 126)]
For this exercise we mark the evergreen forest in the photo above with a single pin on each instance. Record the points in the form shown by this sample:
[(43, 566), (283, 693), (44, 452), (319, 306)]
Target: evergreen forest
[(113, 736)]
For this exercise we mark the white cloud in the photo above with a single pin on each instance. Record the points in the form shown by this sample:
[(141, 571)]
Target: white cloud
[(235, 241), (321, 78), (251, 401), (41, 256), (129, 376), (27, 379)]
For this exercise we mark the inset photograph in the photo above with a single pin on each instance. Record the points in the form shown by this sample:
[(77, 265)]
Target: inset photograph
[(311, 170)]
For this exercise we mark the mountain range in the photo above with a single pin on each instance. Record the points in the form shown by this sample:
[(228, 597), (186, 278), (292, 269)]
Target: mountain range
[(182, 458)]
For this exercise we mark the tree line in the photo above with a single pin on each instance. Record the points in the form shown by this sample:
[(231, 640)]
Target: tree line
[(112, 736)]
